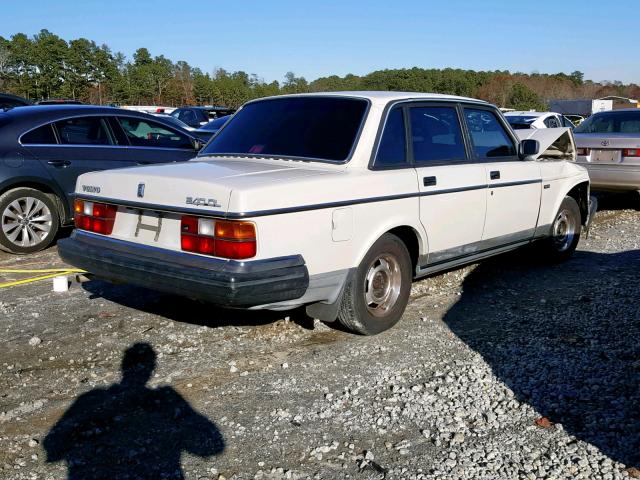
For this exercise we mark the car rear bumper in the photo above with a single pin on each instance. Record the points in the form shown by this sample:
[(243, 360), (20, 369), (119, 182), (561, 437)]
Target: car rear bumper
[(239, 284), (613, 177)]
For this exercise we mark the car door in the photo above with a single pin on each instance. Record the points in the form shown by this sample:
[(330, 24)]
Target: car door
[(79, 144), (150, 142), (452, 185), (514, 185)]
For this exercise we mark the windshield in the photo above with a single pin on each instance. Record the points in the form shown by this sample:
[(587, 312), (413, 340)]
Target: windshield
[(611, 122), (316, 128), (215, 125)]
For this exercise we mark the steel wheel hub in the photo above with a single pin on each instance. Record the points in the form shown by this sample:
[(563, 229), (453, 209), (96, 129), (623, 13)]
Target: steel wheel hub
[(382, 285), (26, 221), (564, 230)]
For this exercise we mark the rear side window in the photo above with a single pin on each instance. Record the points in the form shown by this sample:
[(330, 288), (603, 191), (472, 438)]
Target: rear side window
[(144, 133), (188, 117), (436, 134), (83, 131), (551, 122), (391, 151), (40, 136), (489, 138)]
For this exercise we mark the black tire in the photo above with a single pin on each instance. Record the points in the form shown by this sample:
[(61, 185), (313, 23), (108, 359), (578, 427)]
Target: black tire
[(565, 232), (354, 312), (40, 231)]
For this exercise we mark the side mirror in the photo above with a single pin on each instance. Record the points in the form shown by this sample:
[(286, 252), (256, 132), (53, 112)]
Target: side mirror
[(529, 147), (197, 144)]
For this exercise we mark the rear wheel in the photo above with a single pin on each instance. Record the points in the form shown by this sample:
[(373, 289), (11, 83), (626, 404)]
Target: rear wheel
[(565, 232), (377, 294), (29, 220)]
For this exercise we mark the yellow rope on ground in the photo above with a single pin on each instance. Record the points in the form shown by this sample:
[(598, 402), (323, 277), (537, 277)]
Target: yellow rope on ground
[(51, 272), (44, 270)]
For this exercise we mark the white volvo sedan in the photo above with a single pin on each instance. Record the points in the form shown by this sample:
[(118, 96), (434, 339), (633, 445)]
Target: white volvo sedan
[(335, 202)]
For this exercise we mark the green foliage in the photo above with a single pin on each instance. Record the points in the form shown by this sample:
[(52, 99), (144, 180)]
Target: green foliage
[(522, 97), (46, 66)]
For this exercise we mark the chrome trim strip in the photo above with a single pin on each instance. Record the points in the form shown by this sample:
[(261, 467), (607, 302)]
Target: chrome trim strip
[(275, 211), (151, 206), (513, 184), (128, 147), (301, 208)]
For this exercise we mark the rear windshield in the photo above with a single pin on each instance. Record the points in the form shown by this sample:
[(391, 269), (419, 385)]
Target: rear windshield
[(611, 122), (520, 122), (314, 128)]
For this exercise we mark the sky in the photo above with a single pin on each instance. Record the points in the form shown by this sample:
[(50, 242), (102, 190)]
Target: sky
[(314, 39)]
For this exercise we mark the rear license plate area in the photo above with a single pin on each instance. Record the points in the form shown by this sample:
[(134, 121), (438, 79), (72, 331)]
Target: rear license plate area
[(148, 224), (605, 156)]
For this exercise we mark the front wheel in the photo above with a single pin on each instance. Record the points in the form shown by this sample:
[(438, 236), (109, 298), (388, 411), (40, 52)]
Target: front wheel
[(28, 220), (377, 294), (565, 232)]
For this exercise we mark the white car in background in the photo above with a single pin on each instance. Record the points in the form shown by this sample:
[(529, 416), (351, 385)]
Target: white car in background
[(521, 120), (335, 202)]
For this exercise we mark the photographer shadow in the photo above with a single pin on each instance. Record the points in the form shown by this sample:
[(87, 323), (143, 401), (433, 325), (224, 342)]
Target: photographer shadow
[(130, 430), (564, 339)]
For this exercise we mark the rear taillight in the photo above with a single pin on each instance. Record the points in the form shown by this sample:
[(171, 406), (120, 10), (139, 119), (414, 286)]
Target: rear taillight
[(583, 151), (94, 217), (219, 238), (631, 152)]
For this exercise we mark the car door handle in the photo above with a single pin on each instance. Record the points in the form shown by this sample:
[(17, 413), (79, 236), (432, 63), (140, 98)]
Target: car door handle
[(495, 175), (59, 163), (143, 163), (429, 181)]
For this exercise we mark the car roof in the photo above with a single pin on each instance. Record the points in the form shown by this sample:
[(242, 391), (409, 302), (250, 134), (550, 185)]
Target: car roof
[(523, 113), (47, 113), (23, 119), (623, 110), (382, 97)]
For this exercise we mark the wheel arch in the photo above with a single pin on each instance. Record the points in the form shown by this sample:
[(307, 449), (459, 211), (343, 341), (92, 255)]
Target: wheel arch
[(580, 193), (413, 236), (44, 186)]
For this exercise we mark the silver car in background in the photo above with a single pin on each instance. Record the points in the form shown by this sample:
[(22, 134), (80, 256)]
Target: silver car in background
[(608, 145)]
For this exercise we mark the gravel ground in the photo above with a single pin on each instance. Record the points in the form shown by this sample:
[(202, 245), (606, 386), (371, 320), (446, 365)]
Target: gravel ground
[(509, 369)]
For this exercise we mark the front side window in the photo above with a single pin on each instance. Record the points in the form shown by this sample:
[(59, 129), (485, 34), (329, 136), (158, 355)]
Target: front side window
[(40, 136), (321, 128), (391, 151), (144, 133), (489, 138), (83, 131), (436, 134)]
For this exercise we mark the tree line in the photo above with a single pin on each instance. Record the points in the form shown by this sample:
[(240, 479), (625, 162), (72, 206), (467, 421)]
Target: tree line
[(46, 66)]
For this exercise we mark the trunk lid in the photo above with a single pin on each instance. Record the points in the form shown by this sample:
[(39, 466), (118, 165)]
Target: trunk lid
[(606, 148), (196, 184)]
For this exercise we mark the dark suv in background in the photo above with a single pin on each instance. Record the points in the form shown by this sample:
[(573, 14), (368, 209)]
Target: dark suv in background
[(197, 117), (43, 149)]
